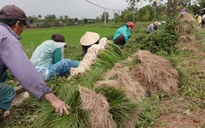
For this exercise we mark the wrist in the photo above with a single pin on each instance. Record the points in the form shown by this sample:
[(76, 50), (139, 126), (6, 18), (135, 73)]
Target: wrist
[(50, 97)]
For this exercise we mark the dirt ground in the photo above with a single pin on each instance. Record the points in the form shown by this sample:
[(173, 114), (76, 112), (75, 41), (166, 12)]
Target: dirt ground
[(176, 112), (180, 115)]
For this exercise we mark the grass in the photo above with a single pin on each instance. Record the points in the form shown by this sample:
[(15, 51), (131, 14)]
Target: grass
[(72, 34), (31, 38), (191, 79)]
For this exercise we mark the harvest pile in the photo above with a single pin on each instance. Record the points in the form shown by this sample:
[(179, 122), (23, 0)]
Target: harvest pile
[(106, 92)]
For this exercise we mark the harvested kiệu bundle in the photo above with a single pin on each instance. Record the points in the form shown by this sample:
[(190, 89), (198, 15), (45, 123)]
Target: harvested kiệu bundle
[(105, 54), (97, 107), (110, 56), (89, 58), (119, 77), (155, 73), (110, 107), (123, 110), (78, 117)]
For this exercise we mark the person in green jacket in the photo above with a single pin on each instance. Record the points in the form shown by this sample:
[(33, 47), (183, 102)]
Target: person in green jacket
[(48, 58), (122, 35)]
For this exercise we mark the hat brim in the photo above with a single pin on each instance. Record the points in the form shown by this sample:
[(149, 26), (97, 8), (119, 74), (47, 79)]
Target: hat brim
[(27, 24), (89, 38)]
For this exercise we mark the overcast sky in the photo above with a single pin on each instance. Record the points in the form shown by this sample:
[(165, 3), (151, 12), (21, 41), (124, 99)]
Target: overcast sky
[(72, 8)]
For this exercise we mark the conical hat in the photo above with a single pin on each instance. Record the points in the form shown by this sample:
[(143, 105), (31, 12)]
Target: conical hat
[(89, 38)]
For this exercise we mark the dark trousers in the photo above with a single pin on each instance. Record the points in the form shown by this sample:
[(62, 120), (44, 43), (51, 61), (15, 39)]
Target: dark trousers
[(120, 40)]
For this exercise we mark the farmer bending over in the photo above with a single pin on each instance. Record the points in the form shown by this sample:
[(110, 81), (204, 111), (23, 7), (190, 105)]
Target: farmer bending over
[(152, 27), (48, 58), (122, 35), (14, 58)]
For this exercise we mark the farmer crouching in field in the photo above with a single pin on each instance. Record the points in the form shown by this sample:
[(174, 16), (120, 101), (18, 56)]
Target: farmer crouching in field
[(48, 58), (152, 27), (14, 58), (122, 35), (88, 39)]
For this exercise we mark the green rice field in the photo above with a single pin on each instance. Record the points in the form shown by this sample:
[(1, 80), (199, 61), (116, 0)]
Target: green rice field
[(31, 38)]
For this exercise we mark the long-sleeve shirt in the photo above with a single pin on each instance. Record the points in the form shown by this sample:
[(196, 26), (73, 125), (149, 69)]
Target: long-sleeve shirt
[(14, 58), (124, 30), (151, 27), (48, 53)]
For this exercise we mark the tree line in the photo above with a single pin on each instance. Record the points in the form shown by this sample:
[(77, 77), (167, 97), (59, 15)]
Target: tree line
[(155, 10)]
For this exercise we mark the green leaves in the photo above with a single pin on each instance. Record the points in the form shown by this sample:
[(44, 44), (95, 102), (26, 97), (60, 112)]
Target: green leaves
[(162, 40)]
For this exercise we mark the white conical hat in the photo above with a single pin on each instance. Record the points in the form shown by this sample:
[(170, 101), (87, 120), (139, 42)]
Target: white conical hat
[(89, 38)]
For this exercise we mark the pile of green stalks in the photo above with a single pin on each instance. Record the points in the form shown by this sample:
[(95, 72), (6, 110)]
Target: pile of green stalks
[(121, 108)]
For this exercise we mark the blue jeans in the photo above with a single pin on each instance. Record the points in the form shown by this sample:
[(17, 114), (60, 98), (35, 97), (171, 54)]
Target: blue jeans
[(7, 93), (60, 68)]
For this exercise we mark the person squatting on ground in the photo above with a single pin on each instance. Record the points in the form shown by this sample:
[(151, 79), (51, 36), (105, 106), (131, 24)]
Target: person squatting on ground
[(92, 45), (152, 27), (48, 58), (14, 58), (88, 39), (122, 35)]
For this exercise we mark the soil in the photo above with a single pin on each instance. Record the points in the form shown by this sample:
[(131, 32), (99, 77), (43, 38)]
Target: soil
[(176, 110), (180, 115)]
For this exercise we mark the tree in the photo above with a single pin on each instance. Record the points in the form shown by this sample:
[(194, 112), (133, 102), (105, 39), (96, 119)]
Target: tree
[(105, 16), (32, 19), (76, 20), (39, 16), (146, 13), (50, 21), (66, 17), (127, 15), (133, 8), (172, 8), (85, 21), (117, 17), (98, 19)]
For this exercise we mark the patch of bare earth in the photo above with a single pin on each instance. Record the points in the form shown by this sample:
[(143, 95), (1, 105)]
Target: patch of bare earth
[(154, 73), (177, 112)]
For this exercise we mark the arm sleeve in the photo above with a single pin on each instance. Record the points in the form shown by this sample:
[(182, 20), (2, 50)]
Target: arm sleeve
[(152, 27), (57, 55), (20, 66), (148, 28), (126, 34)]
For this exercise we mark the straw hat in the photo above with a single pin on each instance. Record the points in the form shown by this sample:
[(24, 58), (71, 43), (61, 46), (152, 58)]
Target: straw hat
[(156, 23), (89, 38)]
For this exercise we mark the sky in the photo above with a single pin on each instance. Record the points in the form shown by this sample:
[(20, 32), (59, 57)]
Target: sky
[(72, 8)]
